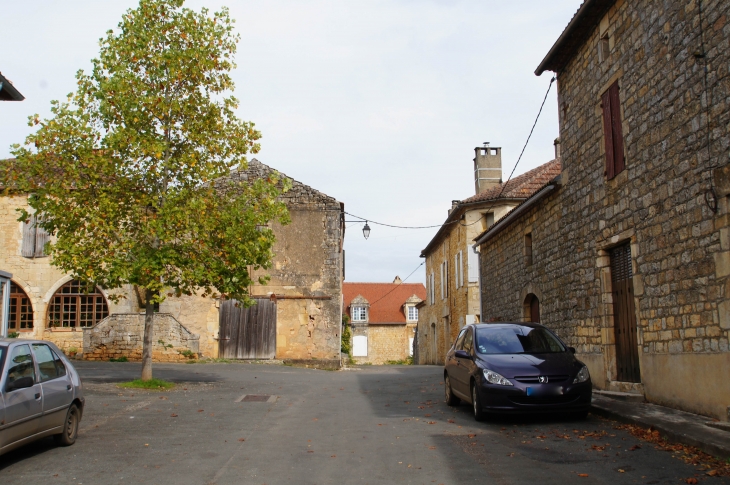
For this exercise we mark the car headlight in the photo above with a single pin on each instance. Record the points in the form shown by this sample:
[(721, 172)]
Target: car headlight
[(582, 376), (494, 378)]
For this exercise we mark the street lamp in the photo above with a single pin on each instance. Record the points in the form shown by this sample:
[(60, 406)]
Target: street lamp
[(366, 230)]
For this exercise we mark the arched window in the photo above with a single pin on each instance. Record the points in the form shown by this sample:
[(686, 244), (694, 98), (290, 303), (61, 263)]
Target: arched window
[(73, 307), (21, 310)]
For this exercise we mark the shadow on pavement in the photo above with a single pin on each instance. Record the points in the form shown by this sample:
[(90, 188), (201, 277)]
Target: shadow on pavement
[(110, 372)]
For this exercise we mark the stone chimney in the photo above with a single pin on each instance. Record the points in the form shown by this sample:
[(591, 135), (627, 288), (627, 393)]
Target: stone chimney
[(557, 147), (487, 167)]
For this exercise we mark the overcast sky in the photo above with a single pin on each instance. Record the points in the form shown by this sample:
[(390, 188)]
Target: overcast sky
[(377, 103)]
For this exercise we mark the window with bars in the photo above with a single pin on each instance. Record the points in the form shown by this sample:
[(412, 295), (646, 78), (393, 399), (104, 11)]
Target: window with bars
[(359, 313), (74, 306), (20, 318)]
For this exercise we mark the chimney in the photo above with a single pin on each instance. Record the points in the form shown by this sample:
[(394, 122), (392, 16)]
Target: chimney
[(397, 280), (557, 147), (487, 167)]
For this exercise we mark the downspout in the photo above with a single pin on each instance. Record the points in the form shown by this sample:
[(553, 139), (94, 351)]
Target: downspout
[(479, 267)]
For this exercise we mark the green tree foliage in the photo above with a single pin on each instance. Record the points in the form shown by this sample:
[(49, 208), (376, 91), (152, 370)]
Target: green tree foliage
[(125, 171)]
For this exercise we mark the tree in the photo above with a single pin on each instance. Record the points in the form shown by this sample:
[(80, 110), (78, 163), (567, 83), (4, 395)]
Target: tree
[(127, 171)]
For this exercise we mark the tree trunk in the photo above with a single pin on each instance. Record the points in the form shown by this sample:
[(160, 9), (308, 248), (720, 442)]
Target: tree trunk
[(149, 316)]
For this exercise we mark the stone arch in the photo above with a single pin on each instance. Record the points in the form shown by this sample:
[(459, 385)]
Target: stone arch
[(21, 317), (527, 294), (531, 308)]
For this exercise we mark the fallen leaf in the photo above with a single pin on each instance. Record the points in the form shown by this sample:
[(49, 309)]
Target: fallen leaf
[(432, 422), (711, 473), (621, 470), (451, 421), (241, 439), (173, 415), (471, 435), (582, 474), (333, 456), (691, 480)]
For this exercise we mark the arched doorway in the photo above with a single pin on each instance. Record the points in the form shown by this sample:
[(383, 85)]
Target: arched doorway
[(72, 307), (20, 318), (532, 308)]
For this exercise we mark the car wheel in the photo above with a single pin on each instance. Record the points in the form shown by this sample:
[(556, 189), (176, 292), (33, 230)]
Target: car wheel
[(70, 427), (451, 400), (580, 415), (476, 403)]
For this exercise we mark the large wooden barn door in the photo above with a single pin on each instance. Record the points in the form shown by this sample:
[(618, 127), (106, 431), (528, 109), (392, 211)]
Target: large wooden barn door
[(624, 316), (247, 333)]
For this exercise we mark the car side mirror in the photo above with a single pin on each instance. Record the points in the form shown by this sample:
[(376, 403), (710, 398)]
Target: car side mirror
[(571, 349), (22, 383), (462, 354)]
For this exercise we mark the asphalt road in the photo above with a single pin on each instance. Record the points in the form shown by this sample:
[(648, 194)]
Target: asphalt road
[(369, 425)]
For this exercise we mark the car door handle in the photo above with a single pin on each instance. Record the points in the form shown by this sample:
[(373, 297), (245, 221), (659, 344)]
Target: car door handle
[(68, 387), (37, 395)]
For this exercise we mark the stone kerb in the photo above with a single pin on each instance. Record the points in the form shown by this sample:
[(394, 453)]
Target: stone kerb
[(121, 335)]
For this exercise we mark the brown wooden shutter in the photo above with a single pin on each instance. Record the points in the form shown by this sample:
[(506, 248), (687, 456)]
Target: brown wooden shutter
[(618, 139), (28, 248), (608, 133)]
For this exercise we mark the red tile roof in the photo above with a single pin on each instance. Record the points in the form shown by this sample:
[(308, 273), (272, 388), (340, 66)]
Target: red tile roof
[(522, 186), (386, 299)]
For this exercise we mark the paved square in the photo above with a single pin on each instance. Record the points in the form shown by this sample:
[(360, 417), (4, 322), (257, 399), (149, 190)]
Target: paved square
[(370, 425)]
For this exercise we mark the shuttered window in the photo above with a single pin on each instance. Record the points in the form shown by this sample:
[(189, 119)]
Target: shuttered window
[(473, 264), (34, 239), (613, 136)]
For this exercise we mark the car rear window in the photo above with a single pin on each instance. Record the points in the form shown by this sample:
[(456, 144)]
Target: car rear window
[(517, 340)]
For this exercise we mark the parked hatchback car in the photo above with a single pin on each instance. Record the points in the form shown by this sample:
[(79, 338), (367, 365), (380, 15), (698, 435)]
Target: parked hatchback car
[(515, 368), (40, 394)]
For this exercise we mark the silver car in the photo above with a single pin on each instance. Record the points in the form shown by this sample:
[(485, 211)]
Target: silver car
[(40, 394)]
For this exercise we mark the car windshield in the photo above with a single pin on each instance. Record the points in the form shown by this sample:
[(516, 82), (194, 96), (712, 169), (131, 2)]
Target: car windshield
[(517, 340)]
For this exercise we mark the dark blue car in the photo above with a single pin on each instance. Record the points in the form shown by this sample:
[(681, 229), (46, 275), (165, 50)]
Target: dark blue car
[(515, 368)]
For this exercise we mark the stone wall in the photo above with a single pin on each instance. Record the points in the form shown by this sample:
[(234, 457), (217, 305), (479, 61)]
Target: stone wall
[(121, 335), (387, 342), (658, 204)]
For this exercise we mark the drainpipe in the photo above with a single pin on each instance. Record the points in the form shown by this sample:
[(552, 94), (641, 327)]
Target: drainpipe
[(5, 282)]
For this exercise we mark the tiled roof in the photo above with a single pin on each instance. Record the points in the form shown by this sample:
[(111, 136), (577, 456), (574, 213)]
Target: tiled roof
[(386, 299), (579, 29), (522, 186)]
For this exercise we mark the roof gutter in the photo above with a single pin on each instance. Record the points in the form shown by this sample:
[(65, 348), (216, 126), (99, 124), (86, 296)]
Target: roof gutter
[(8, 91), (504, 222)]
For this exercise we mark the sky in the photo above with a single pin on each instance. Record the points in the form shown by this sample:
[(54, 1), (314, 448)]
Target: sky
[(377, 103)]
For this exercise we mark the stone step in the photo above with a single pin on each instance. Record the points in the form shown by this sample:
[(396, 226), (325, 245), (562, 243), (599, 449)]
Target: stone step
[(621, 396)]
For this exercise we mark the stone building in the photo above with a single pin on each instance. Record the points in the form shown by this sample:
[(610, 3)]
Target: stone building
[(626, 254), (452, 267), (383, 317), (303, 298)]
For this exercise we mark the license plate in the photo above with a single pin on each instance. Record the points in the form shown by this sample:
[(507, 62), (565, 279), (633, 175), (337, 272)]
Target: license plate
[(542, 391)]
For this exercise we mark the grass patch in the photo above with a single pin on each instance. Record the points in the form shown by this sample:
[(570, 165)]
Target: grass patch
[(209, 361), (120, 359), (156, 384)]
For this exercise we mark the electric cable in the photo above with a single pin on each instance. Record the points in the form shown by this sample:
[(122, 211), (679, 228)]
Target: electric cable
[(396, 286)]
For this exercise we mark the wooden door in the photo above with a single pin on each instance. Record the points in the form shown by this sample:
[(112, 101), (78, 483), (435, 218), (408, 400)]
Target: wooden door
[(535, 309), (624, 316), (247, 333)]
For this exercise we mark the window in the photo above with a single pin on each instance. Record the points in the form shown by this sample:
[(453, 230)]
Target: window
[(49, 365), (604, 48), (487, 220), (412, 313), (458, 271), (20, 365), (460, 339), (73, 307), (21, 310), (612, 132), (359, 313), (432, 289), (444, 280), (473, 266), (34, 239), (528, 249), (468, 341)]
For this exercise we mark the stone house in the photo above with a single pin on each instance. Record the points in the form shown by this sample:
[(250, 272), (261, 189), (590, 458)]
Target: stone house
[(626, 254), (452, 266), (300, 307), (383, 318)]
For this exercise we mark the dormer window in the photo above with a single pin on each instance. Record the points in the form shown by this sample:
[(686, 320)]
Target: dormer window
[(410, 308), (359, 309)]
